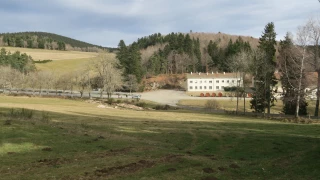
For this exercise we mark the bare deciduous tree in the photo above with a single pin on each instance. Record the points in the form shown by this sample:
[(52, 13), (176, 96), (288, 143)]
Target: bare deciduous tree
[(109, 73), (313, 28)]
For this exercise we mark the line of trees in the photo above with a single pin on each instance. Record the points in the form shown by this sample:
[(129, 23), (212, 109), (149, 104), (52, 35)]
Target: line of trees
[(43, 40), (177, 53), (104, 73), (297, 56)]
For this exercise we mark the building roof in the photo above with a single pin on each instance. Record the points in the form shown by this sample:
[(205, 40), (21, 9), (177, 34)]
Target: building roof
[(211, 75)]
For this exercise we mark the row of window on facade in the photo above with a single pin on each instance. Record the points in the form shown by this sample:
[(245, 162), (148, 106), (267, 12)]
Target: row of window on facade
[(217, 81), (205, 87)]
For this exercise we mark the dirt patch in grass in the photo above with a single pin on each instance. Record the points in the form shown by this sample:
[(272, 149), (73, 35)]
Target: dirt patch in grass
[(171, 169), (53, 162), (128, 168), (222, 168), (208, 170), (234, 166), (47, 149), (209, 178)]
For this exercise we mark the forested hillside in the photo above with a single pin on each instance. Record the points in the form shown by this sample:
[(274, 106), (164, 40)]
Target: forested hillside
[(44, 40), (180, 53)]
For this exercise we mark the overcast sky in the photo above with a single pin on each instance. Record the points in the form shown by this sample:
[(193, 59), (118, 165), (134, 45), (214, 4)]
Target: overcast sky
[(105, 22)]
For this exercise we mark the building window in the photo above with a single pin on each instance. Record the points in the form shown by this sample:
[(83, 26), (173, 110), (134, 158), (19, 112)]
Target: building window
[(191, 82), (227, 81), (200, 81), (210, 87), (204, 87), (200, 87), (196, 87), (210, 81), (205, 81), (217, 87), (190, 87), (223, 81), (222, 87), (217, 81), (232, 81)]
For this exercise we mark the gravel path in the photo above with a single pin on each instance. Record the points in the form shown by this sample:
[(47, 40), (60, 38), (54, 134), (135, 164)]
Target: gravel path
[(170, 97)]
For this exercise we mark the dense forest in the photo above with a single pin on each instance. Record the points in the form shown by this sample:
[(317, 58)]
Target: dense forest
[(177, 53), (43, 40)]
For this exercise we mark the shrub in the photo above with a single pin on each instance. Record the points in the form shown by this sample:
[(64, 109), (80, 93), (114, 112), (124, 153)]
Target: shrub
[(207, 94), (220, 94), (118, 101), (212, 105), (162, 107), (141, 104), (110, 101), (201, 95), (214, 95)]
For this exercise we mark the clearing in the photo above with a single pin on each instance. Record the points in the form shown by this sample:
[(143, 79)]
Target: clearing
[(72, 139)]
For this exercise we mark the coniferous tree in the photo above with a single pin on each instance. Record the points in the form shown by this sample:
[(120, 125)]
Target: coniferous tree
[(267, 80), (289, 68)]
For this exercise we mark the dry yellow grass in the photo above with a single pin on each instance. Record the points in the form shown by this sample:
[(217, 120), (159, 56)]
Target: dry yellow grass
[(63, 61), (43, 54)]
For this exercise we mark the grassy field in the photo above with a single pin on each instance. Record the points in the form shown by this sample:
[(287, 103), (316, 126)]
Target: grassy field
[(68, 139), (63, 61), (232, 104), (42, 54)]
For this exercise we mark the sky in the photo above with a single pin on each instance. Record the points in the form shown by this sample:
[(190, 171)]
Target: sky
[(106, 22)]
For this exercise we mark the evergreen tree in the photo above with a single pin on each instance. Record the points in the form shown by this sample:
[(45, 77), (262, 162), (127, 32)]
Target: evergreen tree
[(290, 68), (265, 71)]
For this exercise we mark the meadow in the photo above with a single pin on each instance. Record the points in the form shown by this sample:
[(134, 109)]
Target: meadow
[(54, 138), (231, 104), (63, 61)]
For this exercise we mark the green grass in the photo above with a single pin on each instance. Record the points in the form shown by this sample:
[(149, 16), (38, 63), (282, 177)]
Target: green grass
[(81, 141), (232, 104)]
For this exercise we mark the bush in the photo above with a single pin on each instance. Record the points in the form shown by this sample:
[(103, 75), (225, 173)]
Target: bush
[(141, 104), (220, 94), (214, 95), (162, 107), (110, 101), (118, 101), (201, 95), (212, 105), (207, 94)]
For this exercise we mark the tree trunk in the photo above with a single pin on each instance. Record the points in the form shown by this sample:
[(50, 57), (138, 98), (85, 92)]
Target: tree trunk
[(299, 85), (244, 94), (269, 97), (316, 112)]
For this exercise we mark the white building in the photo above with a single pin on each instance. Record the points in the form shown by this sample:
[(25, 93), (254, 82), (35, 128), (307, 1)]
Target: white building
[(212, 82)]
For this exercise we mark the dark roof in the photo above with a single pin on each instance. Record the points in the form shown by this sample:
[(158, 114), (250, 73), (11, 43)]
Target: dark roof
[(212, 75)]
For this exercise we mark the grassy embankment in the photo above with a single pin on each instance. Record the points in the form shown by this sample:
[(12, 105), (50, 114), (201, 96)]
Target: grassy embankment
[(77, 140)]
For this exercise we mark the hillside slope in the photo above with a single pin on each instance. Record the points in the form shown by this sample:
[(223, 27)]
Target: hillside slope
[(45, 40)]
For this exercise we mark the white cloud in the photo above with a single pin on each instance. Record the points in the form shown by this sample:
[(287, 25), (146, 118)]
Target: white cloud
[(112, 20)]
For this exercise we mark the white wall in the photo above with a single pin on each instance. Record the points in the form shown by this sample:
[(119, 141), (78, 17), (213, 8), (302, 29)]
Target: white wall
[(199, 85), (210, 84)]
